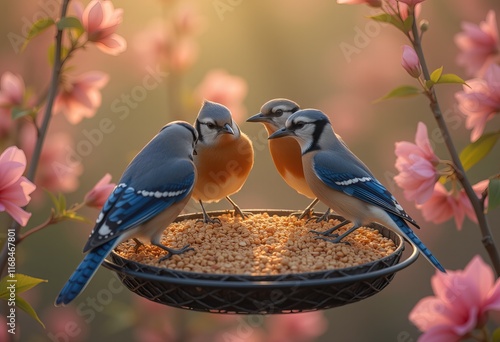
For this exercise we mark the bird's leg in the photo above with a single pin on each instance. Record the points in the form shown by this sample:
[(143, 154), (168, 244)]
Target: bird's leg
[(171, 251), (323, 217), (308, 211), (206, 218), (237, 210), (340, 237), (137, 244), (331, 230)]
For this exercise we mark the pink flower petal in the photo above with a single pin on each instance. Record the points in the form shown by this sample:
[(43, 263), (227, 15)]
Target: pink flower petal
[(112, 45)]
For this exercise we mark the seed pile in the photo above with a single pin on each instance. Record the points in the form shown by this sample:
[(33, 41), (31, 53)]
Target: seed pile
[(260, 245)]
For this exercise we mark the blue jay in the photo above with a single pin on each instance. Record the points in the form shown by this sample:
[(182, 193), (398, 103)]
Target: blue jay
[(286, 152), (223, 158), (343, 182), (152, 191)]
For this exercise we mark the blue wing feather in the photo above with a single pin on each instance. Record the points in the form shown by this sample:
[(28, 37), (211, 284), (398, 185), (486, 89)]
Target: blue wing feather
[(362, 185), (128, 207)]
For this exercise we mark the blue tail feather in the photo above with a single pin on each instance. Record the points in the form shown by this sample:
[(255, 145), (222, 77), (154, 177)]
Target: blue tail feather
[(84, 272), (406, 230)]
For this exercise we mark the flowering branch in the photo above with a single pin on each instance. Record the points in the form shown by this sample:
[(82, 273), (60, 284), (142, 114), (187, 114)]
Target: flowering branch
[(41, 132), (478, 206)]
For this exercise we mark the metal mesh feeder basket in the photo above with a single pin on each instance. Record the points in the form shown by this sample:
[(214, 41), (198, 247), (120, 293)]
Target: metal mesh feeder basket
[(262, 294)]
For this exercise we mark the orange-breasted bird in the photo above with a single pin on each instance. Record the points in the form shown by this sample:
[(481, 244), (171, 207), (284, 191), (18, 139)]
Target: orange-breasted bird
[(223, 157), (286, 151)]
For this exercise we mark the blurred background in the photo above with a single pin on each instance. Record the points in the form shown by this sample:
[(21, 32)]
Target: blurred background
[(244, 53)]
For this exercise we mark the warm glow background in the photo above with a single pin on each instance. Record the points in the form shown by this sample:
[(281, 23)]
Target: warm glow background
[(281, 48)]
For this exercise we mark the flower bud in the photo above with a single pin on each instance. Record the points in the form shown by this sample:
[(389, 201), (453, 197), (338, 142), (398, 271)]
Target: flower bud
[(410, 61), (424, 25)]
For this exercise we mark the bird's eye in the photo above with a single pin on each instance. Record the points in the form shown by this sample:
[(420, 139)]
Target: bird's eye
[(278, 111), (210, 125), (298, 125)]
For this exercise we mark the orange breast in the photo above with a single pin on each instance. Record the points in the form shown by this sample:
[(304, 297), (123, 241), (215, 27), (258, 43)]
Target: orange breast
[(287, 158), (222, 170)]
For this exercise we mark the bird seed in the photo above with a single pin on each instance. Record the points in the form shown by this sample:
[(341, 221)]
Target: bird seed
[(260, 245)]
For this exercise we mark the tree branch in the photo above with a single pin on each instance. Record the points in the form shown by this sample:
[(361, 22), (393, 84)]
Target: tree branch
[(487, 238)]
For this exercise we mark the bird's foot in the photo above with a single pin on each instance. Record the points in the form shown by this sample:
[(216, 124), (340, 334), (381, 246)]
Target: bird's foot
[(243, 214), (331, 230), (307, 213), (237, 210), (207, 219), (324, 217), (172, 251), (138, 244)]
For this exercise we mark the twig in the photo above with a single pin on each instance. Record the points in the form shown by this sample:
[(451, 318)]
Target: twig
[(42, 131), (487, 238)]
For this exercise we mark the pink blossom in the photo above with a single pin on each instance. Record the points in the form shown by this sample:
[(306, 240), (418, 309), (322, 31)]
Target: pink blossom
[(401, 9), (478, 44), (461, 303), (480, 100), (100, 192), (411, 3), (410, 62), (226, 89), (416, 164), (14, 187), (80, 96), (11, 95), (373, 3), (66, 324), (297, 327), (158, 44), (100, 20), (11, 90), (444, 204), (59, 166)]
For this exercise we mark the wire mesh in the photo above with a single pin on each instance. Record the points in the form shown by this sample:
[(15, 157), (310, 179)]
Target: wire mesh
[(247, 294)]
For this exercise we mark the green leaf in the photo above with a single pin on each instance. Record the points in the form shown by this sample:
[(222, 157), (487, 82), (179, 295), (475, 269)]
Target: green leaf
[(493, 194), (59, 202), (451, 78), (18, 112), (402, 91), (408, 23), (496, 335), (22, 281), (389, 19), (26, 307), (62, 202), (72, 215), (70, 23), (436, 75), (429, 84), (38, 27), (476, 151)]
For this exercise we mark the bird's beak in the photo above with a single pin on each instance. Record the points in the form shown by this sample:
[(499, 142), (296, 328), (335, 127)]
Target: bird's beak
[(258, 118), (281, 133), (227, 129)]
